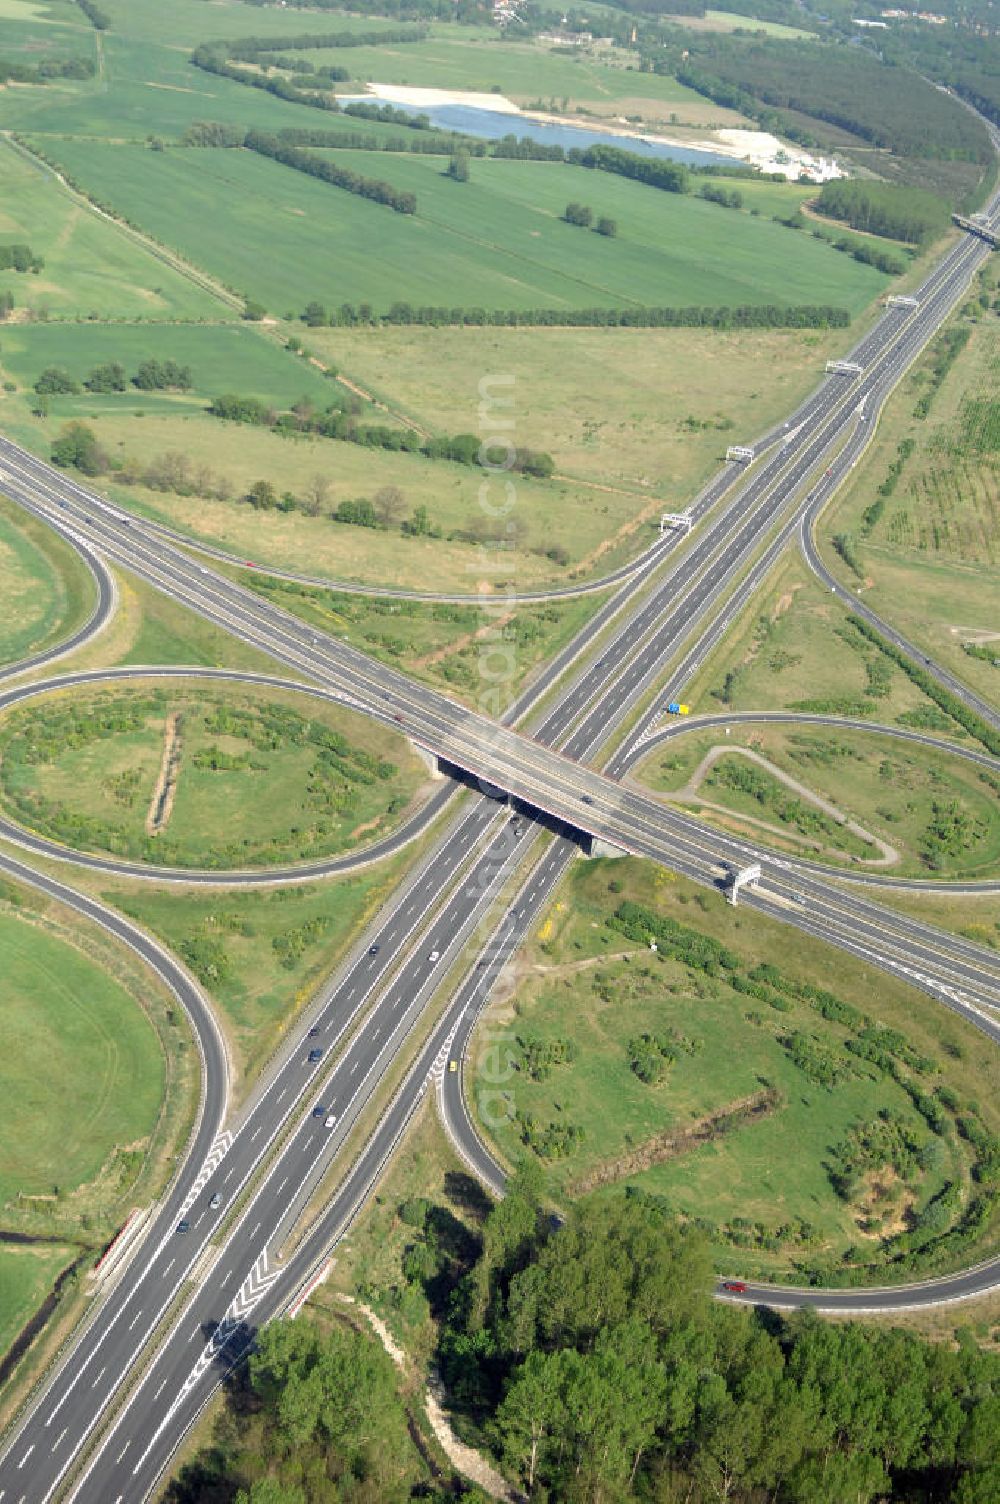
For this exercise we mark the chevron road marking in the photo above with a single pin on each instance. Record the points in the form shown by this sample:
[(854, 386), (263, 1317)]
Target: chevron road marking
[(216, 1154)]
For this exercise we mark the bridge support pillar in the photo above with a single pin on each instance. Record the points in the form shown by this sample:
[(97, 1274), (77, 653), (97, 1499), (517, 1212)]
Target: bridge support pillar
[(598, 846), (429, 759)]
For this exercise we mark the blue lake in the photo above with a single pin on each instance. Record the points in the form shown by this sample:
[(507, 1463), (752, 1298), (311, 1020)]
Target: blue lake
[(491, 125)]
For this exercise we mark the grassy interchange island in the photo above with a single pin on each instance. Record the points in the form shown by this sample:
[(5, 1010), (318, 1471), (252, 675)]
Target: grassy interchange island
[(187, 778)]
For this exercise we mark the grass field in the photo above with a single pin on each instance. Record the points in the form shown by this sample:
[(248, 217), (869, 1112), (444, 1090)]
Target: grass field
[(43, 586), (497, 240), (88, 770), (82, 1075), (793, 650), (92, 270), (239, 946), (221, 358), (763, 1189), (928, 552), (727, 20), (937, 812), (597, 531), (649, 409)]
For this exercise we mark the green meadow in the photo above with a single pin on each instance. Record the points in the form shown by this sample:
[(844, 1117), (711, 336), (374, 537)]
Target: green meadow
[(82, 1072), (43, 587), (497, 241)]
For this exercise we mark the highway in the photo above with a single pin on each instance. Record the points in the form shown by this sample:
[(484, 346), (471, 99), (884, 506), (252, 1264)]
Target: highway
[(441, 909)]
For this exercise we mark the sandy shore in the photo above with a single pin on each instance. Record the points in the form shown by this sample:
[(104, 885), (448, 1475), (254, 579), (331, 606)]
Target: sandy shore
[(757, 148)]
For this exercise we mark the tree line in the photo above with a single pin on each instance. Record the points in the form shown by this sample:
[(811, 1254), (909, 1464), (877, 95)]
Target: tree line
[(335, 423), (744, 316), (300, 160), (98, 18), (251, 49), (151, 376)]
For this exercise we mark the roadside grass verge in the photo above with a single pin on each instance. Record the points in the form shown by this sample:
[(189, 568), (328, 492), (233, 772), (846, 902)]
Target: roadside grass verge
[(262, 955), (103, 1055), (794, 649), (44, 587), (482, 656)]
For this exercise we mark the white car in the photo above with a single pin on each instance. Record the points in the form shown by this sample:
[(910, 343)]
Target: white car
[(330, 1120), (435, 955)]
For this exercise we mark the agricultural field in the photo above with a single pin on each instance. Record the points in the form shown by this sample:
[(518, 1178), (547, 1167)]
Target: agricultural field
[(216, 358), (174, 775), (837, 795), (262, 955), (917, 530), (92, 269), (647, 409), (43, 586), (794, 649), (806, 1130), (498, 240)]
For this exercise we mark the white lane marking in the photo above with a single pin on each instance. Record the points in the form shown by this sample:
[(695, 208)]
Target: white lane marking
[(283, 1093), (159, 1391), (200, 1220), (256, 1133), (170, 1266), (58, 1439), (255, 1231), (284, 1182), (26, 1456), (354, 1067), (98, 1379), (135, 1318), (229, 1175), (124, 1449)]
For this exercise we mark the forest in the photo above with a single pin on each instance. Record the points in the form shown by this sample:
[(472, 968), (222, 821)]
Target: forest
[(591, 1360)]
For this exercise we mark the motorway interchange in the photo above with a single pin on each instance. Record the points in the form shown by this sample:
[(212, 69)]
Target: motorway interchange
[(254, 1187)]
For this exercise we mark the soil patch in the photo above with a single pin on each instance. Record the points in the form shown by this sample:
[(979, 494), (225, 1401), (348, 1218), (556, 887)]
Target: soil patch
[(668, 1145), (162, 803)]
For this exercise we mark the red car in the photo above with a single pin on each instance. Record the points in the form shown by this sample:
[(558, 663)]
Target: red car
[(735, 1285)]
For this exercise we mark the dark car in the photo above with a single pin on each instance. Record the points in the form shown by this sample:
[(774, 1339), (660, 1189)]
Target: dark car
[(215, 1202), (737, 1286), (315, 1055), (586, 799), (314, 1031), (319, 1110), (184, 1225), (373, 950)]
